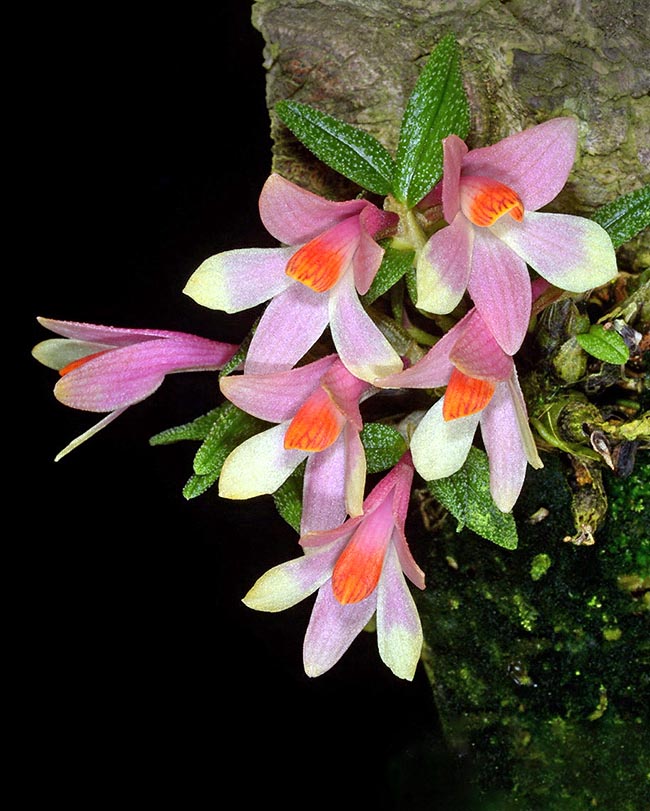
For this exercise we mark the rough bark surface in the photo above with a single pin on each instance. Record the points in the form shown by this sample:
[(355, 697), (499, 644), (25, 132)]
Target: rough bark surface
[(523, 62)]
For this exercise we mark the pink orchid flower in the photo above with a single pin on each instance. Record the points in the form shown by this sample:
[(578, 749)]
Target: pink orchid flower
[(358, 569), (482, 389), (110, 368), (485, 252), (316, 408), (332, 256)]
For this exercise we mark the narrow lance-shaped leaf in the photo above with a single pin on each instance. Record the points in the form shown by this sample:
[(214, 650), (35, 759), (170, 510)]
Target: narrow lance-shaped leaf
[(626, 216), (466, 494), (350, 151), (436, 108)]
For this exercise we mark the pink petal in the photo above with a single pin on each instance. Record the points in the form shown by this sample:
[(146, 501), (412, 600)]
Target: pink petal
[(346, 391), (275, 397), (332, 629), (505, 451), (294, 215), (500, 288), (401, 501), (535, 163), (454, 150), (477, 354), (435, 368), (121, 377), (323, 505), (572, 253), (289, 327), (358, 341), (399, 630), (367, 259), (236, 280), (95, 333), (443, 267), (90, 432)]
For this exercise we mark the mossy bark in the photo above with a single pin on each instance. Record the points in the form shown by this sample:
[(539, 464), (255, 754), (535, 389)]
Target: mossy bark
[(538, 657)]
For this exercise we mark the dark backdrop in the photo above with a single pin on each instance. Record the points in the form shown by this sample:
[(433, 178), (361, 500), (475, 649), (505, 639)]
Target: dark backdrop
[(145, 676)]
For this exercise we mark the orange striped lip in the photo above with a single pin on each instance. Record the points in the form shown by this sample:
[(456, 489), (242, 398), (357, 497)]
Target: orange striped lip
[(75, 364), (357, 572), (465, 395), (320, 263), (484, 200), (316, 425)]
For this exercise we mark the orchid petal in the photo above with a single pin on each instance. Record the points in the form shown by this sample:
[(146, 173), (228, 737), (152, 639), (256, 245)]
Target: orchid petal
[(369, 253), (259, 465), (323, 493), (57, 353), (289, 583), (573, 253), (521, 413), (121, 377), (110, 336), (275, 397), (443, 267), (454, 150), (401, 502), (439, 447), (507, 459), (240, 279), (332, 629), (500, 288), (399, 630), (435, 368), (294, 215), (346, 391), (360, 344), (355, 471), (289, 327), (358, 569), (90, 432), (535, 163), (477, 354)]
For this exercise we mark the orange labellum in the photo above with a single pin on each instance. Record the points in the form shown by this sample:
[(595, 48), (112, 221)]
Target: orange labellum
[(316, 425), (356, 573), (486, 200), (317, 264), (465, 395), (75, 364)]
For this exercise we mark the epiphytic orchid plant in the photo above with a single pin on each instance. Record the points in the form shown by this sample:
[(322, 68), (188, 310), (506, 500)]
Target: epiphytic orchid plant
[(429, 282)]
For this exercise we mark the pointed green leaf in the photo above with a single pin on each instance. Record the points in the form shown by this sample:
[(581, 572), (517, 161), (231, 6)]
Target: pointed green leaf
[(350, 151), (604, 344), (466, 494), (394, 265), (232, 428), (384, 446), (288, 498), (197, 485), (436, 108), (626, 216), (197, 429)]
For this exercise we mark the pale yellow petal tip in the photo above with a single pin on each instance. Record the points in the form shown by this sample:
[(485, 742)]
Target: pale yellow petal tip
[(400, 650), (273, 592), (206, 287)]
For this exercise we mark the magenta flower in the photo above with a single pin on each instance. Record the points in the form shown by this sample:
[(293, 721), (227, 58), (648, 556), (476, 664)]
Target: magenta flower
[(110, 369), (332, 256), (482, 389), (358, 569), (316, 407), (485, 252)]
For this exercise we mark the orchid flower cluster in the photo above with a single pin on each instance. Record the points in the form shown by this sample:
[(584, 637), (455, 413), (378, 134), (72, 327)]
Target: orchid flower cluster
[(441, 235)]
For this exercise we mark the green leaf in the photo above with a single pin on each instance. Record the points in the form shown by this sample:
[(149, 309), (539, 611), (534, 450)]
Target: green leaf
[(626, 216), (197, 485), (197, 429), (288, 498), (350, 151), (394, 264), (466, 494), (604, 344), (436, 108), (231, 429), (384, 446)]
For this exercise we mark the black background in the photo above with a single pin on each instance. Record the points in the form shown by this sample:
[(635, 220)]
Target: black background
[(143, 677)]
